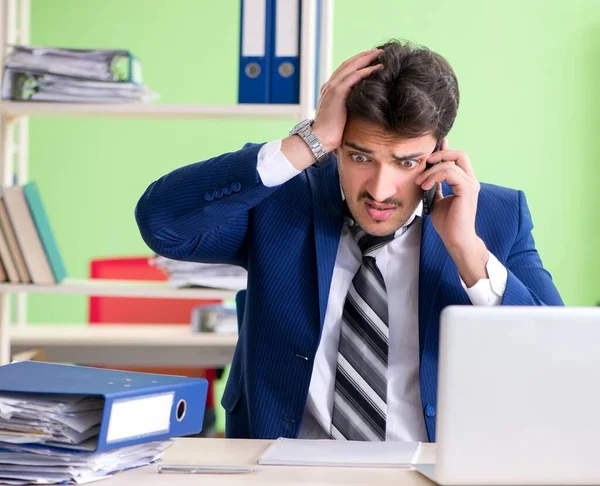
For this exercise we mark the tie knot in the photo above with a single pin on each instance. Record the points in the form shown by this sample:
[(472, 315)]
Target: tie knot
[(369, 244)]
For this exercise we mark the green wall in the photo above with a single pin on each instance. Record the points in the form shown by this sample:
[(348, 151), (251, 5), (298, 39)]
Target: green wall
[(528, 72)]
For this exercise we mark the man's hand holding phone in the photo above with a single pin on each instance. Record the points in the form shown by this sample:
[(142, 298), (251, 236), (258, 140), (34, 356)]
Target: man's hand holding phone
[(454, 216)]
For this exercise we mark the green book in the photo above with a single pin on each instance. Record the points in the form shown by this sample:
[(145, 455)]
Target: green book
[(42, 223)]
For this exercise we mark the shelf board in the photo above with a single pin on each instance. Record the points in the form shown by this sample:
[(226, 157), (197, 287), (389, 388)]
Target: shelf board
[(150, 111), (125, 345), (116, 335), (119, 288)]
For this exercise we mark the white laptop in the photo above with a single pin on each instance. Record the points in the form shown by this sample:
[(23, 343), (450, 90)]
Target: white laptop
[(518, 396)]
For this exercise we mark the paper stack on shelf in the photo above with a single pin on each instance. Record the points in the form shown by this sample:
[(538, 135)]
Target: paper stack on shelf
[(215, 318), (73, 75), (191, 274)]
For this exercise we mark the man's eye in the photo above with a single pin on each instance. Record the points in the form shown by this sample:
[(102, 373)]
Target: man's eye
[(409, 164), (361, 159)]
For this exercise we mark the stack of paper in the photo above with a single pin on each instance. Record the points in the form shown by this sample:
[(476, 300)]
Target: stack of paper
[(298, 452), (49, 439), (54, 419), (36, 464), (192, 274), (215, 318), (73, 75)]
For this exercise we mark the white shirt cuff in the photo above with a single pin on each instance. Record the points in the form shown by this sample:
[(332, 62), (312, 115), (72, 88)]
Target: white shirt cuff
[(489, 291), (273, 167)]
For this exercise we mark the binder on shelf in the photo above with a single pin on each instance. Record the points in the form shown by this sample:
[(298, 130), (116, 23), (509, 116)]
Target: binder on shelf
[(285, 65), (255, 51), (42, 223), (107, 408), (33, 73), (113, 65)]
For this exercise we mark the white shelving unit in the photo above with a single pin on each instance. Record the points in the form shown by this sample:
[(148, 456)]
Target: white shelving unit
[(122, 344), (16, 109), (14, 139), (121, 288)]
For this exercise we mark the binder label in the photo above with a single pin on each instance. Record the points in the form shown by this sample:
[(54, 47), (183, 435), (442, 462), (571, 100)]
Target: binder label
[(287, 24), (138, 417), (253, 28)]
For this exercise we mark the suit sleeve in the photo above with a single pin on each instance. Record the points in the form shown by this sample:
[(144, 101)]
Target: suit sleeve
[(528, 283), (199, 212)]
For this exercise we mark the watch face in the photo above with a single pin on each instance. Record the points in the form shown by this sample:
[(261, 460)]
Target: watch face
[(300, 126)]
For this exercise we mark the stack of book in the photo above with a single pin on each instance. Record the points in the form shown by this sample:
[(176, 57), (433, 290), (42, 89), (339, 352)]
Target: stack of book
[(28, 249), (73, 75)]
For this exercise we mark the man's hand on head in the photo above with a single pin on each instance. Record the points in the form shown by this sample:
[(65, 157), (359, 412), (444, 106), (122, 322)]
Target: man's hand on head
[(331, 115)]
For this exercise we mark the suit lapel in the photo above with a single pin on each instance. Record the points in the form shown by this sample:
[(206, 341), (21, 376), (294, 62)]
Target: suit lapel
[(328, 220), (434, 258)]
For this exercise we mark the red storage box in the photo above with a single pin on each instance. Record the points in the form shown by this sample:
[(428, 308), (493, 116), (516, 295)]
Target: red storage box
[(139, 310)]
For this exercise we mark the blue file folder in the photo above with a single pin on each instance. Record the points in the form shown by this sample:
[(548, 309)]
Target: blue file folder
[(138, 407), (285, 66), (255, 51)]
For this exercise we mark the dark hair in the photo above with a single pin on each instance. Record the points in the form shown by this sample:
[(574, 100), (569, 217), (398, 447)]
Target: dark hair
[(415, 93)]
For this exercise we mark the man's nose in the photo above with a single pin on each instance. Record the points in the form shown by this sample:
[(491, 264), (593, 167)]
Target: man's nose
[(381, 185)]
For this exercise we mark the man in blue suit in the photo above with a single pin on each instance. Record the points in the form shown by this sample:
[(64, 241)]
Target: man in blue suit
[(347, 270)]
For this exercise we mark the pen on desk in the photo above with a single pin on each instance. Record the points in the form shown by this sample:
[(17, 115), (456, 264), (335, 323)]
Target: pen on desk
[(202, 469)]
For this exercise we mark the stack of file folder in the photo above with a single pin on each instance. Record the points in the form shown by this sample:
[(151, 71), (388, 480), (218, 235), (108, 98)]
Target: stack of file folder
[(73, 75), (62, 424), (269, 60)]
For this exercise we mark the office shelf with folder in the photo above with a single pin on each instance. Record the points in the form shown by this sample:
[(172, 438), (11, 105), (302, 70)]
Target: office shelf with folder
[(14, 133)]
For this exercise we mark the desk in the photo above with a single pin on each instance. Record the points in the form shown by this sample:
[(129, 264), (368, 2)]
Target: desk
[(231, 451), (143, 345)]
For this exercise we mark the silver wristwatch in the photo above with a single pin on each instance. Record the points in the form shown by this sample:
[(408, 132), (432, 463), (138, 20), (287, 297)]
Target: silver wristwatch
[(305, 131)]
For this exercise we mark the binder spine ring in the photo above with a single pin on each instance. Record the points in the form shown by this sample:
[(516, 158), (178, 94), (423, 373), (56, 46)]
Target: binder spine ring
[(252, 70), (181, 409), (286, 69)]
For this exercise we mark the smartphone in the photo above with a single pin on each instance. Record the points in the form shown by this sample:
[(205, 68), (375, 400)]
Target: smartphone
[(429, 196)]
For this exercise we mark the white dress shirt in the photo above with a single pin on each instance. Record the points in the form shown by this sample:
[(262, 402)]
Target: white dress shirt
[(399, 264)]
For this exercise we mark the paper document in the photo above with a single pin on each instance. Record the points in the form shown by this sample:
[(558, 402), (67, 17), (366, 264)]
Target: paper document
[(99, 64), (299, 452), (63, 419), (192, 274), (35, 464), (34, 73)]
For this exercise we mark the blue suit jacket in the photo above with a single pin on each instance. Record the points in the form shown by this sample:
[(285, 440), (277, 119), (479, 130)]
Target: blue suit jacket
[(218, 211)]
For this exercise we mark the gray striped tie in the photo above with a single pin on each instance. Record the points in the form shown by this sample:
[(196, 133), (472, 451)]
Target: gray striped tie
[(360, 396)]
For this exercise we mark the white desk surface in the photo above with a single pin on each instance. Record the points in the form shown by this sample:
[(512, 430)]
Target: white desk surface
[(231, 451), (142, 344)]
